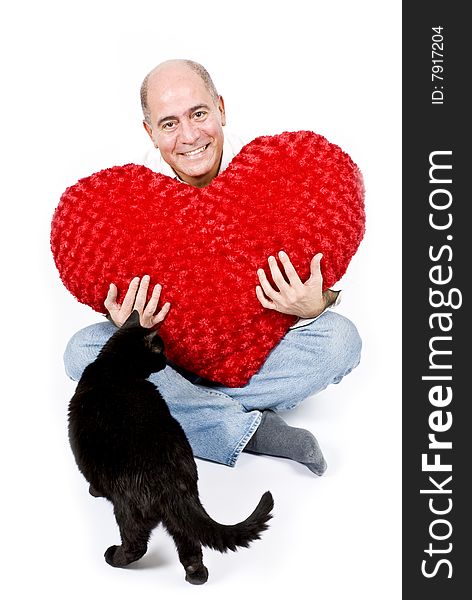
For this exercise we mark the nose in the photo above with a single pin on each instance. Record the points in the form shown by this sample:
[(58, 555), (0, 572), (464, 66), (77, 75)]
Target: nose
[(188, 132)]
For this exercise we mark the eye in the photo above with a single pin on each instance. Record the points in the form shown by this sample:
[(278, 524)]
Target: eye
[(199, 114), (169, 125)]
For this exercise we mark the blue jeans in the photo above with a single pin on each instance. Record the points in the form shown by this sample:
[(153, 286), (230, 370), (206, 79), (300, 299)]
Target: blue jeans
[(219, 421)]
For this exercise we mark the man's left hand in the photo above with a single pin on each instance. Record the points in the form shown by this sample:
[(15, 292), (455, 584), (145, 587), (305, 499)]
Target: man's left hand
[(305, 300)]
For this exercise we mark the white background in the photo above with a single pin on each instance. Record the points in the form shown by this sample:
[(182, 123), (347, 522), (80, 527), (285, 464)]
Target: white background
[(70, 106)]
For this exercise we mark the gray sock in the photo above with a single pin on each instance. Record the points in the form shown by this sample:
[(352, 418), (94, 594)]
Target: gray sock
[(275, 438)]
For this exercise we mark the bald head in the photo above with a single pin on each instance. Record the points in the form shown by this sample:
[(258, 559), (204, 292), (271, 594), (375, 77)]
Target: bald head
[(172, 67)]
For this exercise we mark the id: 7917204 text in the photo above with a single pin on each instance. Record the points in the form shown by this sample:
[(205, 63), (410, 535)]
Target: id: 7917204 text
[(437, 65)]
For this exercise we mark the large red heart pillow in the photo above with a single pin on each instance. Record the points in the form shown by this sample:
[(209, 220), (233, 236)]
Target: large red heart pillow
[(294, 191)]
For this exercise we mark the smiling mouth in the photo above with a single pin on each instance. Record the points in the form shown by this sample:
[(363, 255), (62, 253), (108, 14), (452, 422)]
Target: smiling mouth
[(195, 152)]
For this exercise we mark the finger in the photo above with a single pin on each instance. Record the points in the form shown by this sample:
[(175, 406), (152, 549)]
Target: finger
[(162, 314), (141, 296), (289, 269), (268, 289), (128, 301), (277, 276), (110, 301), (153, 301), (262, 299), (316, 278)]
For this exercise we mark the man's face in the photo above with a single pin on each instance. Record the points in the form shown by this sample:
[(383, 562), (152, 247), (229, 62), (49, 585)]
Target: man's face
[(186, 124)]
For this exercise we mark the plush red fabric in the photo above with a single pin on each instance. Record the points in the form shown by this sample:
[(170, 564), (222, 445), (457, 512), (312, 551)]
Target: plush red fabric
[(294, 191)]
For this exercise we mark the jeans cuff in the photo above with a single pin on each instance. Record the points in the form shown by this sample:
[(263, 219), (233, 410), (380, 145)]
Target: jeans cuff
[(244, 440)]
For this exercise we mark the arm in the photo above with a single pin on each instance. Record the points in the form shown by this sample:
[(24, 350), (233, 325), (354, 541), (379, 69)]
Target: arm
[(304, 300), (135, 299)]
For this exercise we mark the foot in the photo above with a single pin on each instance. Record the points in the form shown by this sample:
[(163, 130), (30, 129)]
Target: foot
[(196, 574), (274, 437), (117, 557)]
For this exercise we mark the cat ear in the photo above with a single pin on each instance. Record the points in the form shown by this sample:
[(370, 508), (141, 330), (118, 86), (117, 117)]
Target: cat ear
[(151, 335), (132, 320), (155, 342)]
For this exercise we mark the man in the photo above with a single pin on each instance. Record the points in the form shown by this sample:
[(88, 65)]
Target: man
[(184, 116)]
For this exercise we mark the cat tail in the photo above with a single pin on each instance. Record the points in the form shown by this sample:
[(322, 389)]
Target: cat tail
[(229, 537)]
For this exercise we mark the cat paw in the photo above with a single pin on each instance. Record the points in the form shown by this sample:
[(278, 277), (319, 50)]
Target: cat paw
[(196, 574), (116, 557)]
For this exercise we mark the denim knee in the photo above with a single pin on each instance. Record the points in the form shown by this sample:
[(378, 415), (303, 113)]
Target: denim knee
[(346, 346), (84, 346), (340, 351), (71, 353)]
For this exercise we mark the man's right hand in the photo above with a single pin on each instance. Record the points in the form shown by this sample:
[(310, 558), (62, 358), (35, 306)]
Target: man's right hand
[(135, 299)]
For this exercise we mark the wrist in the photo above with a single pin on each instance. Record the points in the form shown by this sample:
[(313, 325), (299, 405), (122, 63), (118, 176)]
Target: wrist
[(312, 313), (329, 298)]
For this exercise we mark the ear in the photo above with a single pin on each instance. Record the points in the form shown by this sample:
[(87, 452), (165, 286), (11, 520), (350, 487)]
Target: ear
[(148, 129), (132, 320), (221, 108), (155, 342)]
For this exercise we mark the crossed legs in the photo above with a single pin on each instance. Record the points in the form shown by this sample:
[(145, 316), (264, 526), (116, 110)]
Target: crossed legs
[(220, 421)]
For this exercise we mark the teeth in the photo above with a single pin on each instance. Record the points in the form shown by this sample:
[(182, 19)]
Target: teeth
[(197, 151)]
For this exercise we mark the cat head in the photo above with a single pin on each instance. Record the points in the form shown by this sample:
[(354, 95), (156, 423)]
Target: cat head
[(137, 348)]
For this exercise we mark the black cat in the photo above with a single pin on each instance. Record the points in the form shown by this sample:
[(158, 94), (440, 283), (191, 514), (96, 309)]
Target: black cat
[(134, 453)]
